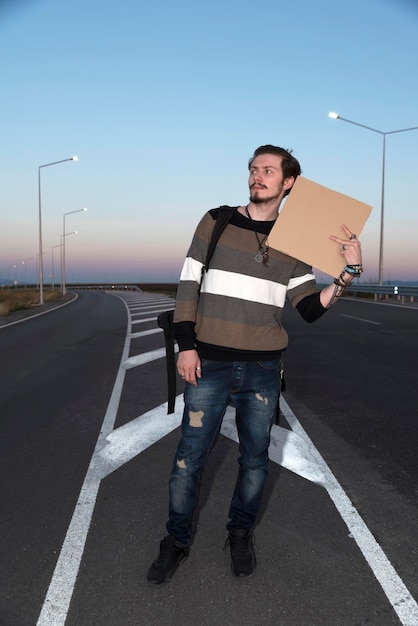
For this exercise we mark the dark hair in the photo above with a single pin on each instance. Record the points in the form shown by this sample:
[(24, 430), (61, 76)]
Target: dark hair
[(290, 165)]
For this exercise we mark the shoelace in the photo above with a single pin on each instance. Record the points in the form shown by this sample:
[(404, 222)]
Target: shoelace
[(241, 545), (166, 552)]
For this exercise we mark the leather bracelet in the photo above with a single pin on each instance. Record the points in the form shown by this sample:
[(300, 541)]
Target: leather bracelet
[(340, 280)]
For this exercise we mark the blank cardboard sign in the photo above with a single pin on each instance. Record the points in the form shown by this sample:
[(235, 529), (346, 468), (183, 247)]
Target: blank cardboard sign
[(310, 214)]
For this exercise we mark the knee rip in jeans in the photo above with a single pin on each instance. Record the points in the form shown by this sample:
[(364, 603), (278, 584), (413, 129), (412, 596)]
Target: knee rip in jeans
[(195, 418), (262, 398)]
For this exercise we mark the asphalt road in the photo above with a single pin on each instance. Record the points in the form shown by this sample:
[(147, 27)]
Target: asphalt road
[(86, 449)]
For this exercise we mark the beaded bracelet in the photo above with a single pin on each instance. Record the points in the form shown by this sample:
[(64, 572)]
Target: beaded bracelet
[(354, 270)]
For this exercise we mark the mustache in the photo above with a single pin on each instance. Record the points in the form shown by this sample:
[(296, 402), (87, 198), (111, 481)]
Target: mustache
[(258, 185)]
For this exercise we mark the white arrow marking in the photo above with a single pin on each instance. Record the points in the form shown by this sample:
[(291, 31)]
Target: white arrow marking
[(126, 442), (287, 449)]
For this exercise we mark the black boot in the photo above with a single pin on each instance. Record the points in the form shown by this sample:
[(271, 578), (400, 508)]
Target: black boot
[(168, 560), (241, 543)]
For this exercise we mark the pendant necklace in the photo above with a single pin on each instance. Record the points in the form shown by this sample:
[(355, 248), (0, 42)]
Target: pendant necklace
[(262, 255)]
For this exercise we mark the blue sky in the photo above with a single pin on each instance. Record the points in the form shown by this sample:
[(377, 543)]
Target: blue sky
[(163, 103)]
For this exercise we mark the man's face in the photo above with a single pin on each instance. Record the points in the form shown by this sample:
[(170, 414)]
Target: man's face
[(266, 178)]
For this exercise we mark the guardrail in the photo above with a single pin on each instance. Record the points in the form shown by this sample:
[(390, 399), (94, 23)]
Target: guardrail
[(109, 287), (403, 292), (390, 290)]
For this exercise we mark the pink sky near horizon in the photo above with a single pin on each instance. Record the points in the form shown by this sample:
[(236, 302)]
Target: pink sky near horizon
[(86, 263)]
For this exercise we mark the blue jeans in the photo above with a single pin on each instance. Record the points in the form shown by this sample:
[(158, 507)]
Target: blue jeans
[(253, 388)]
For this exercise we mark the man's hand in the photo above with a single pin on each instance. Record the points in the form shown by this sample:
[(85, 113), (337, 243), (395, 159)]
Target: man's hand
[(350, 248), (189, 366)]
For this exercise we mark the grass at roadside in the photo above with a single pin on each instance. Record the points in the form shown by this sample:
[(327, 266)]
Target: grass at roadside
[(12, 300), (168, 289)]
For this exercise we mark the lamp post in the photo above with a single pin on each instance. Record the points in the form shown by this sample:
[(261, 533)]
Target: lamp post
[(335, 116), (52, 265), (63, 248), (26, 270), (63, 236), (37, 268), (41, 270), (20, 263)]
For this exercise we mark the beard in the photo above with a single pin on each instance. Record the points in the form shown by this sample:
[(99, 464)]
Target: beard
[(260, 199)]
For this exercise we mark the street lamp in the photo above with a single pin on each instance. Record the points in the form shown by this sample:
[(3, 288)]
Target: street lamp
[(63, 248), (63, 236), (335, 116), (41, 270), (52, 265)]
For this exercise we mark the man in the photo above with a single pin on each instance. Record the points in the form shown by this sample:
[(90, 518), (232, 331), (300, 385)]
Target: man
[(227, 325)]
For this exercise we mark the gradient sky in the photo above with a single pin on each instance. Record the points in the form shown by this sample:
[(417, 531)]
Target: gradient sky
[(164, 102)]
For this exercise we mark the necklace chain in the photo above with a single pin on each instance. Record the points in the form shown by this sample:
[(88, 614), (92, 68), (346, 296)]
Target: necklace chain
[(262, 255)]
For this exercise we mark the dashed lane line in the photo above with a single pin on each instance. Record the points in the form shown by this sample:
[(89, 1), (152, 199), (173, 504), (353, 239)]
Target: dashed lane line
[(360, 319)]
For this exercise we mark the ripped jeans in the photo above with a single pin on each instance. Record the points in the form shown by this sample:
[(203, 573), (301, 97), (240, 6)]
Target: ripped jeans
[(253, 388)]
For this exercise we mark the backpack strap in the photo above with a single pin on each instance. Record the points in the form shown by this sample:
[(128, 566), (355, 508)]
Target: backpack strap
[(165, 321), (225, 214)]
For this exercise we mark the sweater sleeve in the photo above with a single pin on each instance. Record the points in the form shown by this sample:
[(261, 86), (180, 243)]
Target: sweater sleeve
[(185, 335), (310, 307)]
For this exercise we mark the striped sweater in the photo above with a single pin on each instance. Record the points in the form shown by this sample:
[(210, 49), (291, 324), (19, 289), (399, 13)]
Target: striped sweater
[(234, 312)]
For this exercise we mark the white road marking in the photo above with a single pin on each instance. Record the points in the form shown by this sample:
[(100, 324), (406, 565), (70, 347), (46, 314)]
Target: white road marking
[(154, 310), (57, 601), (25, 319), (291, 449), (145, 333), (161, 306), (360, 319), (397, 593), (146, 357), (126, 442), (147, 319), (286, 449)]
